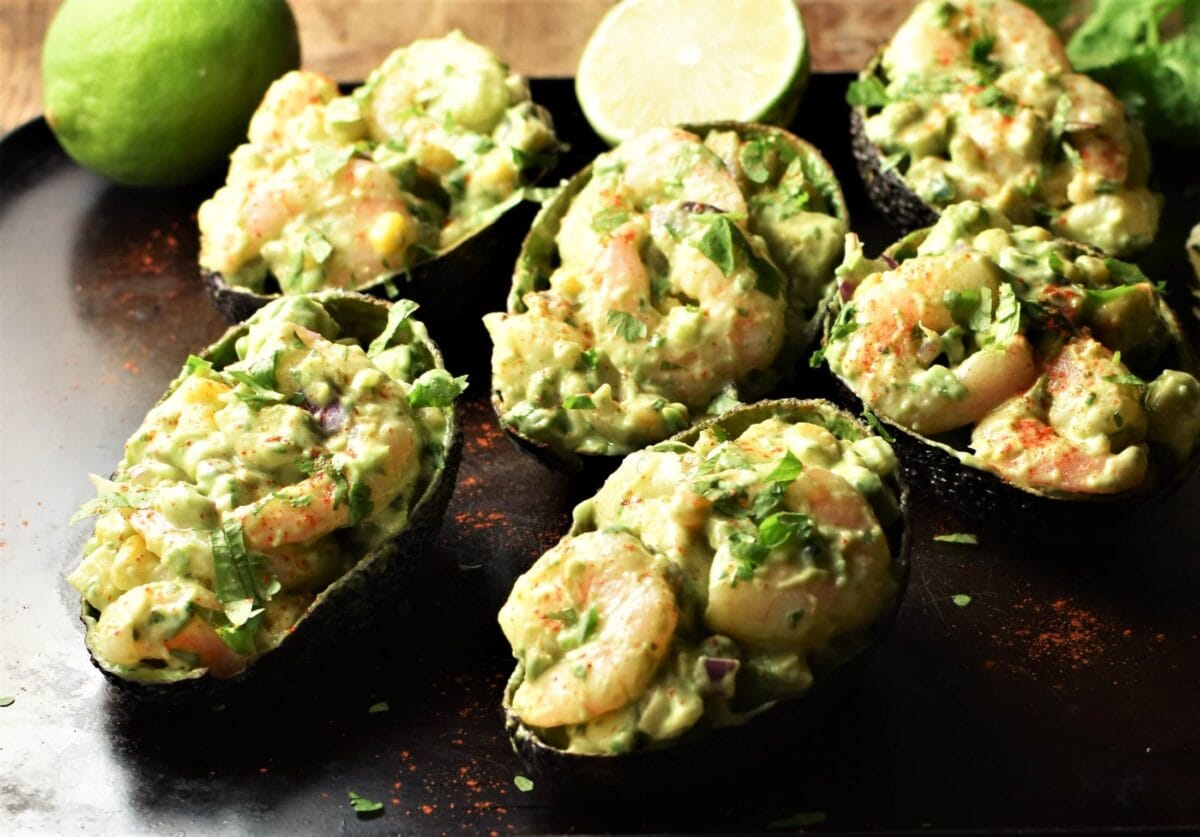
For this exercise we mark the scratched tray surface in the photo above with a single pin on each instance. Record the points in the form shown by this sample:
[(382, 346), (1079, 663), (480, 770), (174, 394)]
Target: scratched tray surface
[(1063, 695)]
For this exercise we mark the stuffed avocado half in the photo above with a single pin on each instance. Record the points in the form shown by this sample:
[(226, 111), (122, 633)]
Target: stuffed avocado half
[(1032, 357), (288, 471), (335, 191), (678, 273), (978, 101), (712, 576)]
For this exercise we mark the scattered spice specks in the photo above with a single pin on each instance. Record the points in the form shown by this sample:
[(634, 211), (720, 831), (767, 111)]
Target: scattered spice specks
[(961, 599), (523, 783)]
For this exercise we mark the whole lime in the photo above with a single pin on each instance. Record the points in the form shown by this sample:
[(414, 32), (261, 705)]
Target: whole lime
[(158, 92)]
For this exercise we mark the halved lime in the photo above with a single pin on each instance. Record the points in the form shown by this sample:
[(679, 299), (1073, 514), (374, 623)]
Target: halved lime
[(669, 62)]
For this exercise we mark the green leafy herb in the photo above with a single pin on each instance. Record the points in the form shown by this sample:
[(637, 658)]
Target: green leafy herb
[(717, 244), (1007, 323), (524, 784), (724, 240), (577, 633), (1125, 273), (843, 327), (568, 617), (609, 219), (957, 537), (532, 159), (360, 502), (981, 49), (993, 97), (7, 700), (877, 425), (591, 358), (330, 159), (626, 325), (754, 161), (375, 708), (398, 314), (242, 585), (116, 500), (364, 806), (786, 470), (1122, 45), (748, 552), (1051, 11), (195, 364), (436, 388), (782, 527), (893, 160), (259, 379), (579, 402), (961, 599), (867, 92)]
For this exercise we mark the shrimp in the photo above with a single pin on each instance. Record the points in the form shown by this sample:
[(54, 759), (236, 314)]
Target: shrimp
[(157, 621), (610, 582), (1078, 430), (378, 434), (901, 316), (293, 103), (789, 601)]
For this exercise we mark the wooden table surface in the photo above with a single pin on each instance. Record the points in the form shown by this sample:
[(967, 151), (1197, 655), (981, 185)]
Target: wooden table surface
[(346, 38)]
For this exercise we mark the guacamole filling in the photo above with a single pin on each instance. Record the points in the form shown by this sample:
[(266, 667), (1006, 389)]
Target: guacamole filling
[(339, 191), (977, 101), (673, 284), (1046, 360), (251, 488), (701, 584)]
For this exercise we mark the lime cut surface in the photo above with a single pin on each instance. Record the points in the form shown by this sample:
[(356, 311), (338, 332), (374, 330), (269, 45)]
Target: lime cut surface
[(666, 62)]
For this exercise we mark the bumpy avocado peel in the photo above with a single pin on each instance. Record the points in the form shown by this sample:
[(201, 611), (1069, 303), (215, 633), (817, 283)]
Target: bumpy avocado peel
[(715, 747), (539, 257), (378, 582)]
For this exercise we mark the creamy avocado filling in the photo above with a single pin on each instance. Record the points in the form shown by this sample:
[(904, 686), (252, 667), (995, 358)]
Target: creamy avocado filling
[(977, 101), (674, 281), (250, 488), (701, 582), (345, 191), (1052, 356)]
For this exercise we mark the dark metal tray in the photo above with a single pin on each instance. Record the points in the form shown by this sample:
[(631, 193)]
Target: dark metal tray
[(1063, 696)]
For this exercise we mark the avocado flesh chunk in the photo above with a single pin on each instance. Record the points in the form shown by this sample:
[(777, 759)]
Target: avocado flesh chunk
[(317, 587)]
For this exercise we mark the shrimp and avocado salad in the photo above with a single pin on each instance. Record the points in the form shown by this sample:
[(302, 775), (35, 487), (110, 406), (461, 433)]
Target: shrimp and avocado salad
[(346, 191), (976, 100), (679, 272), (711, 576), (278, 463), (1054, 357)]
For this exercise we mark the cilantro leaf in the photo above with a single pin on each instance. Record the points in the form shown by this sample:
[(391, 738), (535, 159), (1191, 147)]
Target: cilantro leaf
[(398, 313), (7, 700), (717, 244), (524, 784), (436, 388), (362, 805), (782, 527), (609, 219), (1125, 273), (867, 92), (579, 402), (752, 157), (591, 358), (195, 364), (964, 538), (626, 325), (787, 470), (376, 708), (116, 500), (961, 599), (532, 159), (877, 425), (360, 502)]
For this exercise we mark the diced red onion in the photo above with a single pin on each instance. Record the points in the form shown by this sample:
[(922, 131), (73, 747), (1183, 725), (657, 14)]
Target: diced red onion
[(718, 667), (889, 261), (331, 417)]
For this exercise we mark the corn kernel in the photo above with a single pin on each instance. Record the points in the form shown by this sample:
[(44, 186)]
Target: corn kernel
[(389, 233), (436, 158)]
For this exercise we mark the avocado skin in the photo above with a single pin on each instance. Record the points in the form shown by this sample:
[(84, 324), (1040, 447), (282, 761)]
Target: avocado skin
[(886, 189), (370, 593), (675, 767)]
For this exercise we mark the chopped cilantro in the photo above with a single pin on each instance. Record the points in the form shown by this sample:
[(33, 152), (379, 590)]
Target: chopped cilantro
[(961, 599), (436, 388), (524, 784), (381, 706), (721, 243), (579, 402), (753, 159), (607, 220), (877, 425), (1007, 321), (786, 470), (532, 159), (591, 358), (981, 49), (782, 527), (195, 364), (398, 313), (362, 805), (360, 502), (993, 97), (626, 325), (867, 92), (578, 632), (7, 700), (957, 537), (1125, 273), (116, 500)]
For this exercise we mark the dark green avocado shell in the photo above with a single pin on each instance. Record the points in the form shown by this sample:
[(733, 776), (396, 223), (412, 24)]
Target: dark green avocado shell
[(901, 206), (719, 749), (441, 282), (375, 584), (539, 258), (946, 461)]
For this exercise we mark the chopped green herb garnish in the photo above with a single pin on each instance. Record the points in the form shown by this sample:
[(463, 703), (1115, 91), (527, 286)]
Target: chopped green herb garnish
[(524, 785), (961, 599), (577, 633), (753, 159), (786, 470), (362, 805), (877, 425), (957, 537), (195, 364), (116, 500), (994, 97), (360, 502), (532, 159), (398, 314), (7, 700), (591, 358), (436, 388), (626, 325), (721, 243), (867, 92), (609, 219), (381, 706), (579, 402)]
